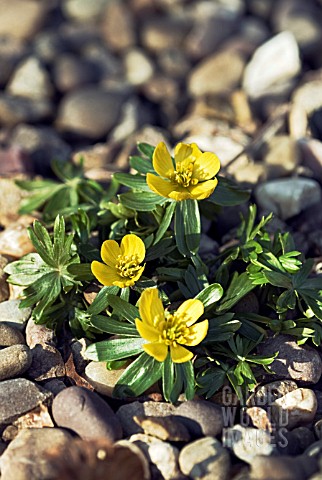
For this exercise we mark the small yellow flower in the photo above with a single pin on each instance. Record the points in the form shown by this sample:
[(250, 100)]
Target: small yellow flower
[(192, 176), (170, 330), (121, 265)]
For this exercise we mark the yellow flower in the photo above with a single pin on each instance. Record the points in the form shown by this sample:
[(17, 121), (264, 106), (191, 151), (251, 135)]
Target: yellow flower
[(170, 330), (121, 265), (192, 176)]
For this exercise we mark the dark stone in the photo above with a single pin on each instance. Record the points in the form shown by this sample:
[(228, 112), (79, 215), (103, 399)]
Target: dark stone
[(85, 413)]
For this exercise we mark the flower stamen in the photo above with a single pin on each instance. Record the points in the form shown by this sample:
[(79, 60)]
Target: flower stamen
[(127, 266)]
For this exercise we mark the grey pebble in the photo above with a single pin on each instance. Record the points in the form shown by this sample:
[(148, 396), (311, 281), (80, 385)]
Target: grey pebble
[(10, 336), (14, 361), (19, 396), (200, 417), (86, 414)]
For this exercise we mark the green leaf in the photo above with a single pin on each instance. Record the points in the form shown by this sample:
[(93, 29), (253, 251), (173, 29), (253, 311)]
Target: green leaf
[(210, 294), (240, 285), (165, 222), (142, 165), (140, 375), (146, 149), (123, 308), (137, 182), (278, 279), (115, 349), (113, 326), (101, 301), (227, 193), (142, 202), (167, 377), (221, 328), (187, 227), (161, 249)]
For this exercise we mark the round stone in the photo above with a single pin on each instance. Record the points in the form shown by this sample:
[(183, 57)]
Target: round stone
[(86, 414), (89, 111), (14, 361), (200, 417)]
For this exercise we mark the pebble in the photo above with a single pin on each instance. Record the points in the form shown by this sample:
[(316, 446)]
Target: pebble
[(259, 418), (46, 363), (302, 20), (118, 27), (102, 379), (38, 334), (24, 396), (15, 110), (85, 413), (161, 454), (24, 458), (247, 443), (54, 385), (30, 79), (126, 413), (311, 150), (161, 33), (282, 468), (42, 144), (4, 287), (10, 201), (213, 25), (11, 53), (200, 417), (14, 360), (294, 362), (217, 74), (89, 111), (78, 347), (12, 315), (288, 197), (275, 62), (21, 19), (295, 408), (205, 459), (10, 336), (165, 428), (138, 67), (299, 439), (282, 156), (71, 72), (15, 241), (265, 395), (82, 10)]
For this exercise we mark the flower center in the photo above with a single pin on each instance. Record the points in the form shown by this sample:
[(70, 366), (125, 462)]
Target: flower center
[(174, 330), (127, 266), (182, 176)]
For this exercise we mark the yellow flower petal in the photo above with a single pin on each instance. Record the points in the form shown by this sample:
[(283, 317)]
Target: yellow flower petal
[(206, 166), (181, 152), (159, 185), (159, 351), (104, 274), (180, 354), (191, 309), (203, 190), (110, 250), (180, 193), (162, 161), (146, 331), (196, 152), (197, 333), (138, 275), (150, 307), (133, 245)]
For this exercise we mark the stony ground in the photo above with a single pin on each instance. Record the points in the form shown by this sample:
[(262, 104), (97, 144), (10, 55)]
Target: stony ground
[(242, 78)]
